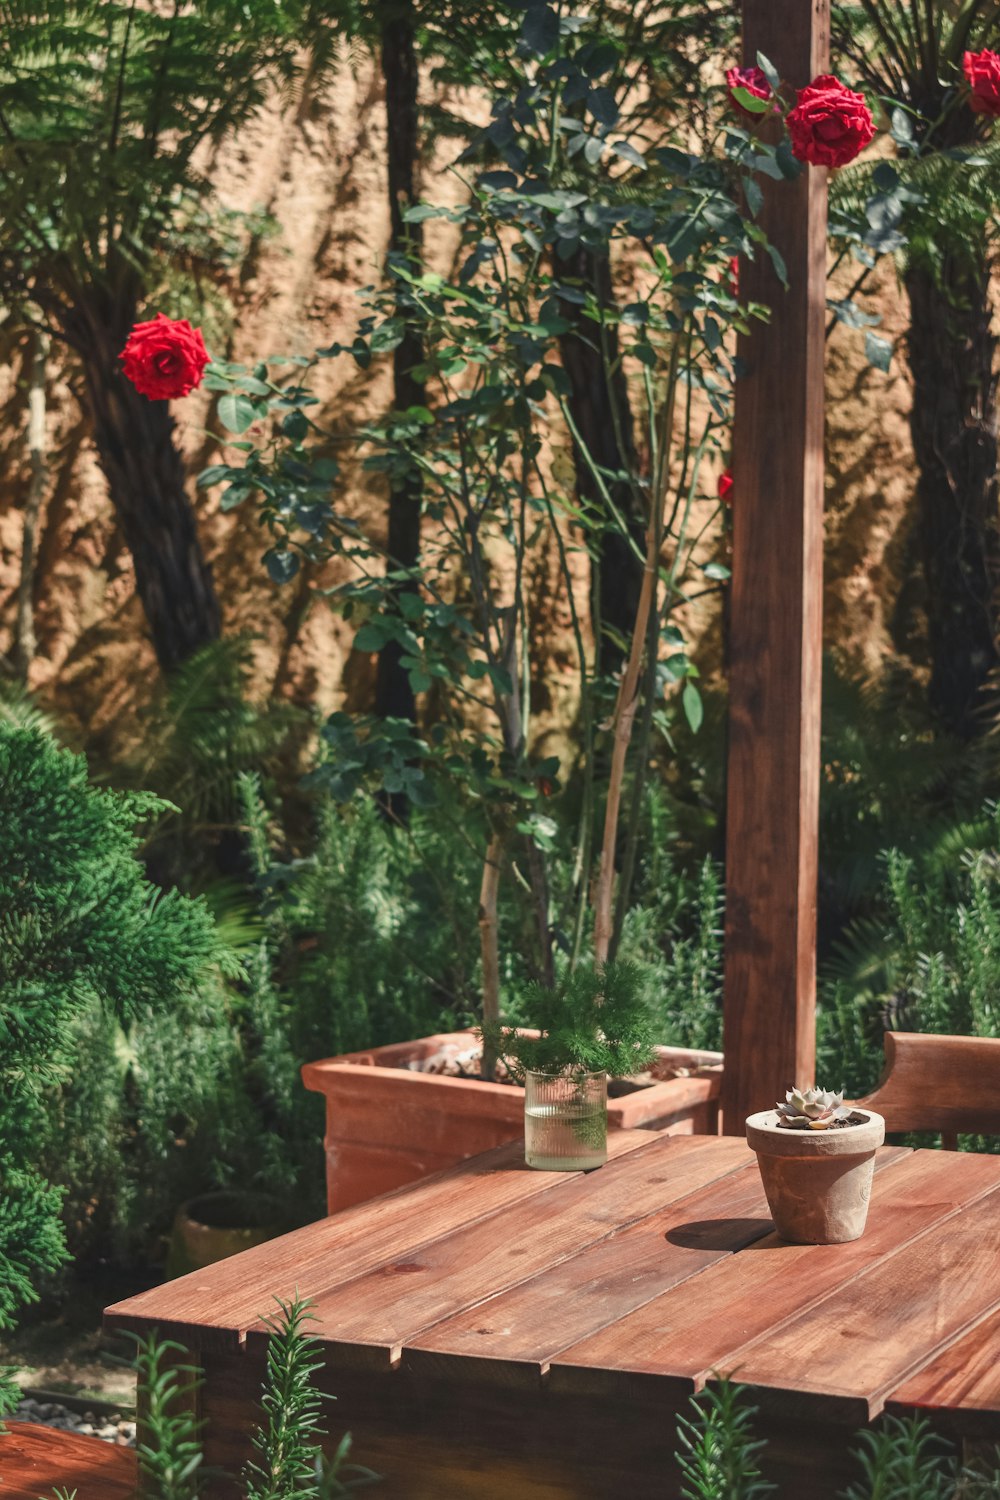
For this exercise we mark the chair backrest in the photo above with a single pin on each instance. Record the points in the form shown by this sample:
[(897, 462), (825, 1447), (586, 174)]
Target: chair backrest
[(945, 1083)]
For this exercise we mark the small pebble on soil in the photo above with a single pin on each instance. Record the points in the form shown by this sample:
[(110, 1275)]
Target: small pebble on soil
[(110, 1427)]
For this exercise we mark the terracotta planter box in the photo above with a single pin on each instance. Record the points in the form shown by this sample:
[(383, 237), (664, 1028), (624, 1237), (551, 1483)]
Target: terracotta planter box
[(389, 1122)]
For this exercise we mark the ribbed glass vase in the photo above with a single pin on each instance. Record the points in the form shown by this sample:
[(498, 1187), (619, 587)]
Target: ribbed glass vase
[(565, 1121)]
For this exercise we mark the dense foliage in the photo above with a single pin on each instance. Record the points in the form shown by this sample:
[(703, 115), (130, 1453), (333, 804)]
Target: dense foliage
[(80, 929)]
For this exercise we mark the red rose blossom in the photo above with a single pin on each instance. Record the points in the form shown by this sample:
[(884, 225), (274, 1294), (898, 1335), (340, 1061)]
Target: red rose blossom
[(164, 358), (734, 278), (982, 72), (830, 124), (725, 486), (753, 80)]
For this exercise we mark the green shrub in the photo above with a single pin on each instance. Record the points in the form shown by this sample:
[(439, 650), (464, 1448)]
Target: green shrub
[(80, 928), (927, 958)]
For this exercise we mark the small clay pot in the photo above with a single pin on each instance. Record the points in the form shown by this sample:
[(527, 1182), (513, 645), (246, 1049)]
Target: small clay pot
[(216, 1225), (818, 1182)]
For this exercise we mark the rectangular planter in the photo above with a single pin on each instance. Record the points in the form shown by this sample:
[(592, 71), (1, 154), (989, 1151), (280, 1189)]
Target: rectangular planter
[(389, 1122)]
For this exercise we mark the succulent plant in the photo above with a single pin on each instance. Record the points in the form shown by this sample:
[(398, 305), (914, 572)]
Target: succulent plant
[(811, 1109)]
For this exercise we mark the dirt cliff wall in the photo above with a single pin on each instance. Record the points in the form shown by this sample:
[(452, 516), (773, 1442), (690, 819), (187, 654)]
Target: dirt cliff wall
[(318, 171)]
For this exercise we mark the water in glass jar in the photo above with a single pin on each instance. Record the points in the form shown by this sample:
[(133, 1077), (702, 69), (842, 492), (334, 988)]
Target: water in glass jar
[(570, 1136)]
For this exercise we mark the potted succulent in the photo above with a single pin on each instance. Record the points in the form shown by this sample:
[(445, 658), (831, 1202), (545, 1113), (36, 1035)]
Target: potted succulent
[(817, 1159), (593, 1025)]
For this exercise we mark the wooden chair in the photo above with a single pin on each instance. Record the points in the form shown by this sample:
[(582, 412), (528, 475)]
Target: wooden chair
[(945, 1083)]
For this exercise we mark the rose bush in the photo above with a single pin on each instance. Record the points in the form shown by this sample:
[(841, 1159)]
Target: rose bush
[(830, 124), (982, 73), (165, 358), (752, 81)]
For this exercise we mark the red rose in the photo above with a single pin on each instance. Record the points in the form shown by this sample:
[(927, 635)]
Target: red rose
[(734, 278), (753, 80), (164, 358), (725, 487), (830, 124), (982, 71)]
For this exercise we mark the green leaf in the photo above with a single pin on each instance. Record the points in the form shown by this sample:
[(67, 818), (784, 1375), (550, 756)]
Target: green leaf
[(878, 351), (846, 311), (214, 474), (601, 104), (693, 709), (769, 71), (540, 32), (281, 566), (236, 413), (716, 570), (778, 262), (501, 680), (371, 637), (750, 102), (295, 426), (628, 153)]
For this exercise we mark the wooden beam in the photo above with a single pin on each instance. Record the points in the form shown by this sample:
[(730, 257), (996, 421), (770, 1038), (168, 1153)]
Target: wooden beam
[(776, 618)]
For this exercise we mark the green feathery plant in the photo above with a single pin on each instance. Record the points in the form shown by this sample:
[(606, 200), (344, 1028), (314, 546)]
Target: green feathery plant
[(594, 1020), (169, 1452), (903, 1459), (717, 1452), (80, 926), (290, 1463), (199, 732)]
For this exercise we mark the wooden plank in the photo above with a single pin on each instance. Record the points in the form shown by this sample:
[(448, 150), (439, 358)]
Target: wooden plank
[(775, 629), (949, 1083), (36, 1460), (960, 1384), (511, 1337), (215, 1306), (677, 1340), (843, 1356), (364, 1321)]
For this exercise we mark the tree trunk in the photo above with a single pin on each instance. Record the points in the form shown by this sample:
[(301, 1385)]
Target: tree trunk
[(393, 694), (595, 402), (145, 473), (25, 642), (954, 425)]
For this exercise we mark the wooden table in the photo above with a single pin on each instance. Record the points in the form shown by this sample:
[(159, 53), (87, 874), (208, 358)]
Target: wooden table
[(496, 1332)]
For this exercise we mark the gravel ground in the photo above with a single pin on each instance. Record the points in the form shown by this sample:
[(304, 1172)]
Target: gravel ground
[(112, 1427)]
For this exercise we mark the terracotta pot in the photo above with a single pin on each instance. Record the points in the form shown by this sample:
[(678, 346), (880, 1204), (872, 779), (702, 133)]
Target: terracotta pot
[(818, 1182), (217, 1225), (389, 1122)]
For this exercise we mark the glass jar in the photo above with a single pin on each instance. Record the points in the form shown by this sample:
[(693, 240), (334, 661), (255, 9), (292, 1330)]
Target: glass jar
[(565, 1121)]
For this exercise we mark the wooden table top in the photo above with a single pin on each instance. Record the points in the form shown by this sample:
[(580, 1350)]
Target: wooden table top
[(651, 1274)]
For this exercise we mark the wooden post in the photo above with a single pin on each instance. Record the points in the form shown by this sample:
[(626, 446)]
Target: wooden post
[(776, 619)]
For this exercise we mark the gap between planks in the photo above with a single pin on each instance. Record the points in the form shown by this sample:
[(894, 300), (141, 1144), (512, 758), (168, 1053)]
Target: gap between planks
[(382, 1355), (141, 1313)]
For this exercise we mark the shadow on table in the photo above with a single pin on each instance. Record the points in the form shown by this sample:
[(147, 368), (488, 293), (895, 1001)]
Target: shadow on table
[(718, 1234)]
